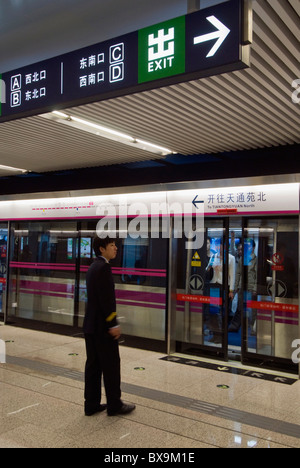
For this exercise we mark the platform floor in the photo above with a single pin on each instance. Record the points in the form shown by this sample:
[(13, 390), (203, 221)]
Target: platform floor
[(178, 406)]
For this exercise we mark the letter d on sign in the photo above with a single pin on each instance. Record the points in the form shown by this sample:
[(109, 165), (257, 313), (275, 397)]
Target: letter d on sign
[(2, 352)]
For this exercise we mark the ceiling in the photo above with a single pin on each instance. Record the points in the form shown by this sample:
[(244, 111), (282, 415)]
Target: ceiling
[(35, 30), (241, 110)]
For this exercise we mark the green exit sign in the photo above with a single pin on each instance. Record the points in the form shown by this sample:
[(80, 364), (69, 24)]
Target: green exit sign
[(200, 44), (162, 50)]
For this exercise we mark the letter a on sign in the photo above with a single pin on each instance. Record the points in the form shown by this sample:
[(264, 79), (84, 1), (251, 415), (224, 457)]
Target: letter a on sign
[(16, 82)]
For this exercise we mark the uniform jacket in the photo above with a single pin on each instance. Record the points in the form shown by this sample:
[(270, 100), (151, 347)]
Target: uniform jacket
[(101, 299)]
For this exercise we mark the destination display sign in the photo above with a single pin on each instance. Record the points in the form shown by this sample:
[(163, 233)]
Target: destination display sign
[(279, 199), (200, 44)]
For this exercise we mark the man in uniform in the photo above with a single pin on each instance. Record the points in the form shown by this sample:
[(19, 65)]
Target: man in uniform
[(102, 331)]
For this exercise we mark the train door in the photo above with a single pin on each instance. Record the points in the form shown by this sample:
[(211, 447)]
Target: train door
[(271, 292), (200, 318), (237, 296)]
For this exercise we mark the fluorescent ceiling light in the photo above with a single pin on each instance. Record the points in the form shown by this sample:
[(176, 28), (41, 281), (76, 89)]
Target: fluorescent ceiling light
[(13, 169), (102, 129), (105, 132)]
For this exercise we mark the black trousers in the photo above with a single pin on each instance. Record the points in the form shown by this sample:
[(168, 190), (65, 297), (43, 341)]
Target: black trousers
[(103, 358)]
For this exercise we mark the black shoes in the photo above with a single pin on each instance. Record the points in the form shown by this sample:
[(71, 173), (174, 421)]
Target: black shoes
[(96, 410), (125, 409)]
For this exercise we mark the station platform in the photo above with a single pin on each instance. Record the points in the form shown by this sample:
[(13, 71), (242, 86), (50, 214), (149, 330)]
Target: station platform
[(178, 405)]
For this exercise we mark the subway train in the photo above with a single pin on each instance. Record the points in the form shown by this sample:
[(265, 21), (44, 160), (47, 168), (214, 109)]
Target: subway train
[(204, 268)]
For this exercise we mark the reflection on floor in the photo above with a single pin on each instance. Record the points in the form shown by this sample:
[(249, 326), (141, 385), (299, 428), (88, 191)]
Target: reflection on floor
[(187, 406)]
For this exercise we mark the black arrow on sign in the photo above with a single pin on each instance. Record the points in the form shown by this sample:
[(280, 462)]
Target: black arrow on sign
[(195, 202)]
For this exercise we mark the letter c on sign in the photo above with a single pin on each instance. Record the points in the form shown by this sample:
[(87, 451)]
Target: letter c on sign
[(115, 56)]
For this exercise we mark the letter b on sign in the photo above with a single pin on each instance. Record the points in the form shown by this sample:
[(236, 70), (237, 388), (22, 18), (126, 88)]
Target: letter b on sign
[(15, 99)]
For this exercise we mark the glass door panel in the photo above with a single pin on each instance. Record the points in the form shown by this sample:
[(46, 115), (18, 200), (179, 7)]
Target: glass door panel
[(272, 307), (200, 318), (237, 297), (42, 271)]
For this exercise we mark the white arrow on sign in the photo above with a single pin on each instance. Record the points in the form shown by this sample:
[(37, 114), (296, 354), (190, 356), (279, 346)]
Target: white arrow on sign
[(280, 379), (221, 35), (196, 283)]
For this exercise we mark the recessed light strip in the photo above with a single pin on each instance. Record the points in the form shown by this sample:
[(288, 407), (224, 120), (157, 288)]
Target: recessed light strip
[(13, 169), (105, 132), (102, 129)]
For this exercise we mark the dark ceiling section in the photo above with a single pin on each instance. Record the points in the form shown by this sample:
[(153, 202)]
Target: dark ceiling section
[(265, 162), (34, 30)]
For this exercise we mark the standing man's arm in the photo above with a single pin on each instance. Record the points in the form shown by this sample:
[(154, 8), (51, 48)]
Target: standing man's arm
[(111, 321)]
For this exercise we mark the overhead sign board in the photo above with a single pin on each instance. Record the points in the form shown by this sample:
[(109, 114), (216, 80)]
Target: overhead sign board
[(200, 44), (279, 199)]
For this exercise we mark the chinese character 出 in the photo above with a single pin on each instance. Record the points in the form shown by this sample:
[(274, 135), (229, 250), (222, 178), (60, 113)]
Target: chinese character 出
[(159, 43)]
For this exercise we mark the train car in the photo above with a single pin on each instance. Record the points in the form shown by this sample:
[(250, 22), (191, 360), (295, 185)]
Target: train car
[(203, 268)]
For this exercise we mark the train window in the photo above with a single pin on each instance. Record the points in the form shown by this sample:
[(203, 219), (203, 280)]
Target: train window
[(85, 247), (43, 268), (140, 274), (134, 260)]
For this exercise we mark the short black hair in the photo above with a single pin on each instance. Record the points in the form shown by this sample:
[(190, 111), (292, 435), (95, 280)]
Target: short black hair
[(253, 243), (99, 242)]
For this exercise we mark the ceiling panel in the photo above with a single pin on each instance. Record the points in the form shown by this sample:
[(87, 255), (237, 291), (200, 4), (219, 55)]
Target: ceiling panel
[(246, 109)]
